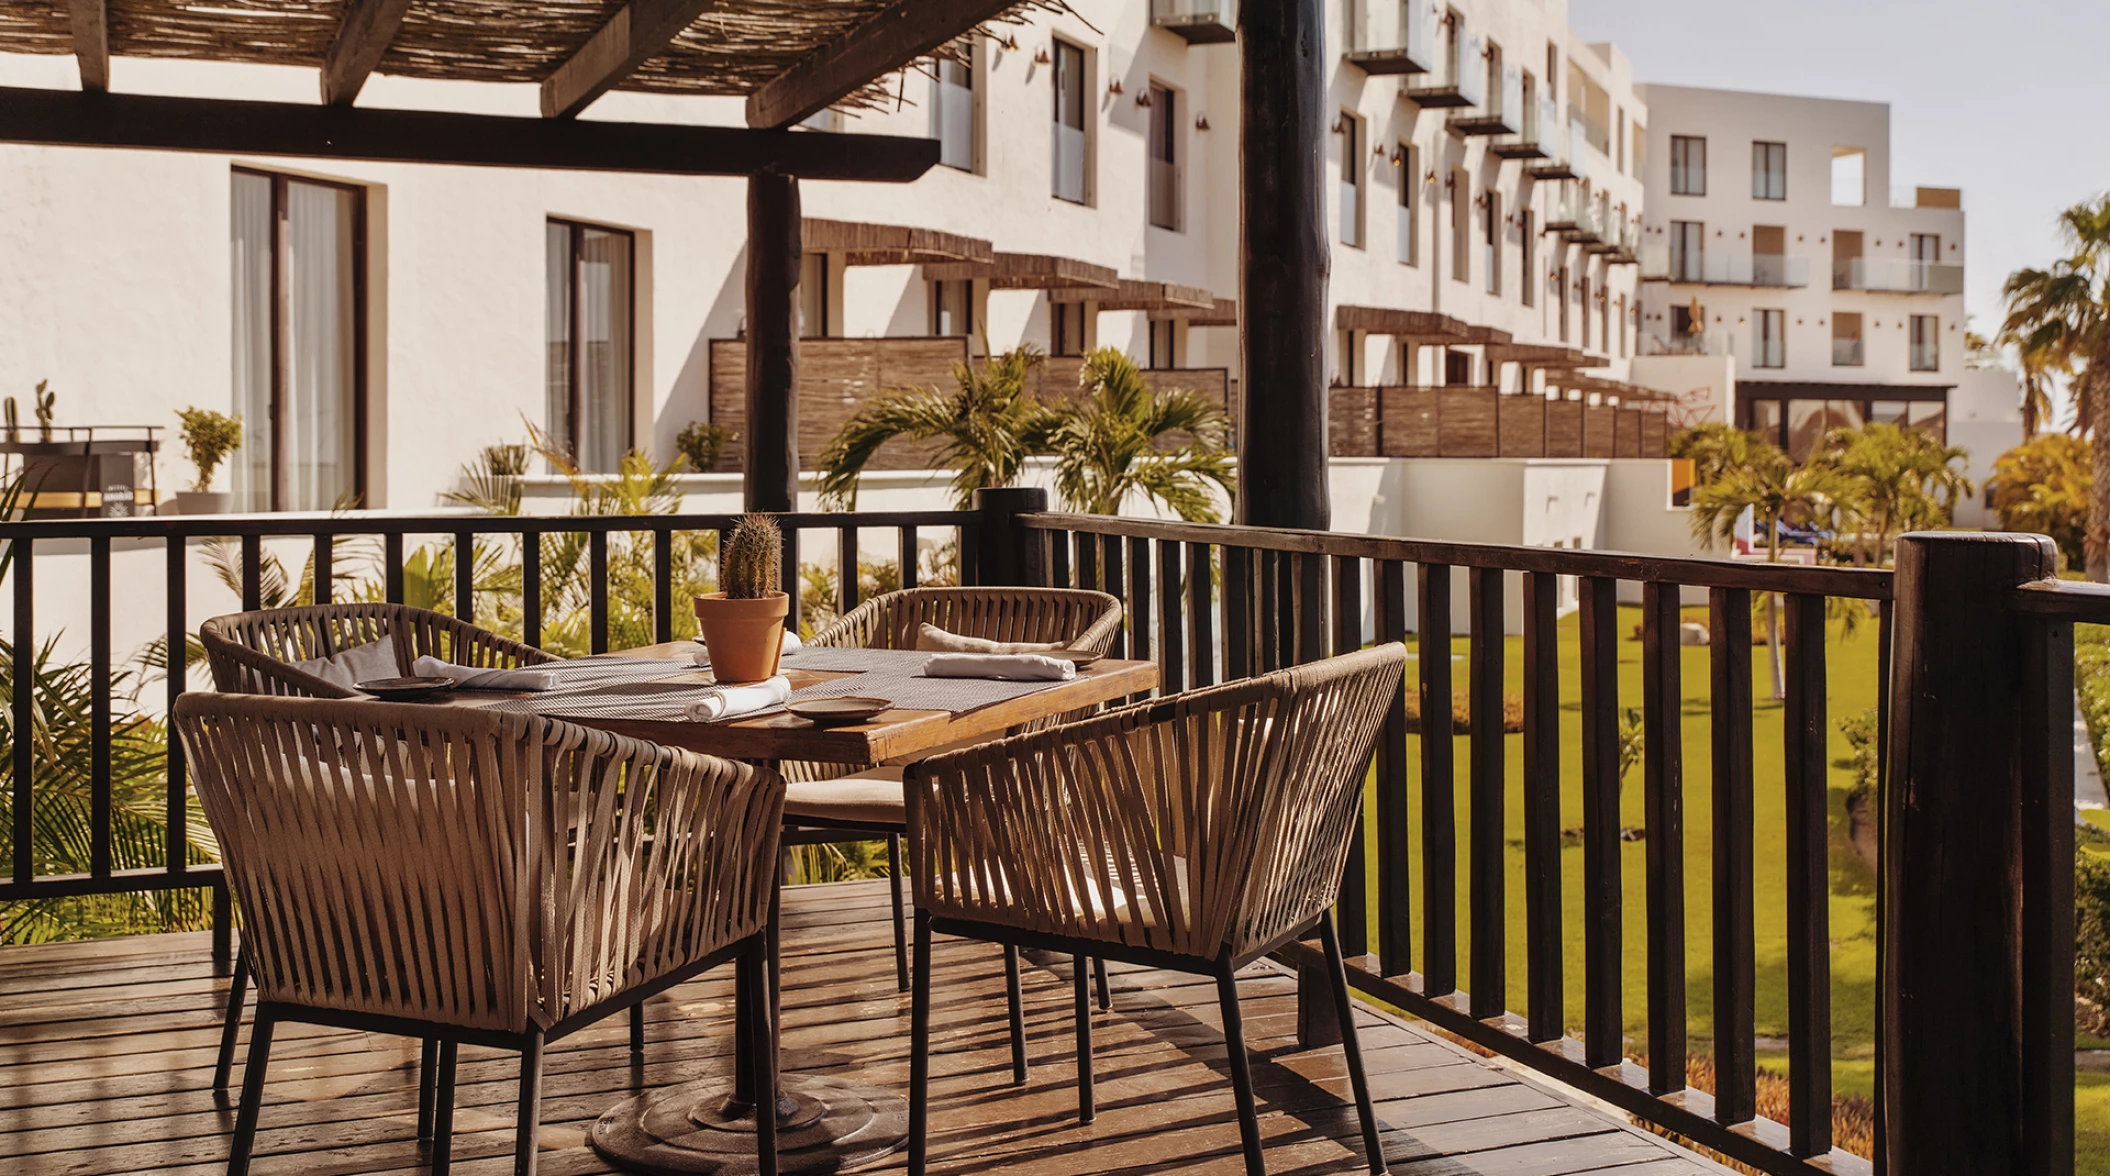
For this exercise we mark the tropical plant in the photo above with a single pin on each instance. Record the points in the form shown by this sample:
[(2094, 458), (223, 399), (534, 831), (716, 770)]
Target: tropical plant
[(2036, 354), (1895, 479), (491, 483), (1632, 742), (701, 444), (988, 425), (1773, 489), (2064, 311), (1121, 437), (1717, 447), (209, 437), (2044, 485)]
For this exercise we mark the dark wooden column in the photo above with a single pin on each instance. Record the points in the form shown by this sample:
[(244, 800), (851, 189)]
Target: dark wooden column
[(1975, 1000), (774, 253), (1283, 265)]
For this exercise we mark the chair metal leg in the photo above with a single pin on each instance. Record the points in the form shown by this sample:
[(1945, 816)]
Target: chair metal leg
[(443, 1113), (1106, 993), (428, 1084), (1241, 1068), (1351, 1049), (893, 885), (637, 1028), (231, 1028), (528, 1126), (761, 1060), (919, 1049), (252, 1097), (1015, 998), (1082, 984)]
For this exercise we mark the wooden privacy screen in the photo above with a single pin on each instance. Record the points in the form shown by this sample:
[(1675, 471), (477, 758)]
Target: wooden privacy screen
[(1480, 422)]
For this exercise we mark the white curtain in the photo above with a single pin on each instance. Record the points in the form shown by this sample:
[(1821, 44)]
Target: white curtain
[(320, 342), (557, 286), (250, 238), (604, 401)]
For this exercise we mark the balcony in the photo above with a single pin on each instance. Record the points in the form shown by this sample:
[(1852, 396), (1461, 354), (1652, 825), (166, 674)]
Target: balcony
[(1541, 137), (1576, 218), (1563, 161), (1504, 112), (1198, 22), (1700, 343), (1589, 130), (1722, 268), (1925, 357), (1460, 77), (1896, 275), (1410, 48), (1848, 353)]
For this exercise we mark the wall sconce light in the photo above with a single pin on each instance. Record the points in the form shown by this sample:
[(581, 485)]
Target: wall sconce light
[(1879, 242), (1430, 178), (1115, 87), (1008, 44), (1340, 123), (1201, 122), (1399, 155), (1143, 97), (1040, 56), (1377, 149)]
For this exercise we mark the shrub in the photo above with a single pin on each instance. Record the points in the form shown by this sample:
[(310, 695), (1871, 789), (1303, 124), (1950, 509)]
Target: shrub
[(702, 443), (1461, 712), (209, 436)]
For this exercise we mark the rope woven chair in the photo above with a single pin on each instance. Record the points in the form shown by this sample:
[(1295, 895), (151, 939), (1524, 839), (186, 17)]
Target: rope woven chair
[(1195, 833), (478, 877), (255, 652), (830, 802)]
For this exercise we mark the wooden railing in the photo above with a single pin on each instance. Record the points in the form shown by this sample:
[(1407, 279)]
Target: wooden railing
[(1485, 422)]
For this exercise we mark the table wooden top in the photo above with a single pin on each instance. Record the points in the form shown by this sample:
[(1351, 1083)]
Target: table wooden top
[(891, 736)]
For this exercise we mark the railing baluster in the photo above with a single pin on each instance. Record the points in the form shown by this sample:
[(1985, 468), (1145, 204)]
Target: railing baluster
[(789, 575), (1545, 983), (1138, 598), (1735, 969), (24, 703), (1201, 613), (1808, 774), (531, 588), (845, 570), (1347, 638), (324, 571), (1439, 828), (1602, 949), (1110, 565), (1087, 561), (1489, 780), (1058, 559), (909, 556), (970, 560), (465, 576), (1238, 617), (1663, 783), (392, 569), (252, 572), (1308, 596), (663, 584), (1395, 916), (177, 658), (99, 706), (1172, 653), (1271, 625), (597, 589)]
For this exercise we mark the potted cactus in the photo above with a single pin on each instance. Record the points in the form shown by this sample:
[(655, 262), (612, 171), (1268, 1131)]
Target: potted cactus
[(743, 622)]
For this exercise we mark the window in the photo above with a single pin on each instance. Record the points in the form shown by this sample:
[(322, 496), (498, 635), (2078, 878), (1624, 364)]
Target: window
[(1640, 151), (1772, 340), (1622, 326), (1528, 256), (299, 341), (1164, 343), (1069, 123), (952, 308), (1582, 300), (1492, 239), (1461, 225), (1926, 343), (1066, 328), (1406, 229), (1849, 176), (590, 341), (1350, 131), (1604, 319), (1688, 250), (1688, 165), (1846, 340), (1164, 179), (1560, 298), (1926, 254), (952, 108), (1769, 171), (1619, 137), (1849, 271), (1348, 359), (816, 304)]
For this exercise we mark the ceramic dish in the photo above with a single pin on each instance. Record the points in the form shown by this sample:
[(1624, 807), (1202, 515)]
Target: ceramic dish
[(838, 712), (405, 689)]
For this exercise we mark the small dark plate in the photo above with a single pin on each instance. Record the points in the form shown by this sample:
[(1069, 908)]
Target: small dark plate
[(1077, 657), (838, 712), (405, 689)]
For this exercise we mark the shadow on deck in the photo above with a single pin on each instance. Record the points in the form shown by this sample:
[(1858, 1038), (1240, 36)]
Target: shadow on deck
[(106, 1054)]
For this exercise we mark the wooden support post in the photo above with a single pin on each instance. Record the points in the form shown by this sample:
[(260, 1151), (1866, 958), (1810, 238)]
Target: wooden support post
[(1282, 278), (775, 250), (1004, 551), (1976, 951)]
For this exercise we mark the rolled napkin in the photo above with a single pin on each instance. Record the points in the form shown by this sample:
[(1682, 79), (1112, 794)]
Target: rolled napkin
[(701, 655), (484, 678), (1003, 667), (932, 639), (726, 702)]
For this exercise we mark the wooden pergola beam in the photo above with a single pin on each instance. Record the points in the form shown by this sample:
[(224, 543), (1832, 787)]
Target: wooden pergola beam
[(91, 42), (638, 31), (66, 119), (895, 36), (362, 39)]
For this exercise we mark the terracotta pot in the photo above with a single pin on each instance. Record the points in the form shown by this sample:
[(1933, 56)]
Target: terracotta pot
[(745, 636), (203, 502)]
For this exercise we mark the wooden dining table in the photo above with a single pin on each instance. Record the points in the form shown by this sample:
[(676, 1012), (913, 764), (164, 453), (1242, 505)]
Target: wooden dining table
[(824, 1123)]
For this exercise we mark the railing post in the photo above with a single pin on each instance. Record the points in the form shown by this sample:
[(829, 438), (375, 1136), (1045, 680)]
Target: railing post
[(1006, 553), (1975, 824)]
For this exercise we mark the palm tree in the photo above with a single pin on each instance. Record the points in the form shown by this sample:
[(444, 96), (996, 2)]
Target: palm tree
[(1717, 447), (1895, 479), (1121, 438), (2036, 353), (989, 424), (2065, 312), (1771, 487)]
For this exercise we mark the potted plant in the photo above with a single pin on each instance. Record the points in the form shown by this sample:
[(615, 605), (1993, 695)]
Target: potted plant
[(743, 622), (209, 437)]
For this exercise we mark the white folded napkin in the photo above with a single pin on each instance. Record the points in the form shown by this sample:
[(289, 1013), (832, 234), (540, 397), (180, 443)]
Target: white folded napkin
[(701, 655), (475, 678), (728, 701), (932, 639), (1004, 667)]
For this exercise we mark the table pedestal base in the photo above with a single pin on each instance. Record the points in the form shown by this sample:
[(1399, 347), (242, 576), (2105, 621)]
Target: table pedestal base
[(692, 1129)]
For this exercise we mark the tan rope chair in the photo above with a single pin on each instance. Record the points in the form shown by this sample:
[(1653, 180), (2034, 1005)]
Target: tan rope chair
[(477, 877), (258, 652), (1195, 833), (831, 803)]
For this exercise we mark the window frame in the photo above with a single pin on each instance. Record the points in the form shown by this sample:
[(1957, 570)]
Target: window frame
[(936, 307), (1682, 170), (1763, 152), (1083, 125), (1354, 186), (1913, 343), (1777, 337), (940, 66), (1406, 247), (1162, 132), (1491, 214), (575, 377), (1527, 256), (1059, 327)]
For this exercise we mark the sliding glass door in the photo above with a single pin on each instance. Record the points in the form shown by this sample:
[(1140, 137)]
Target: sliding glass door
[(589, 301)]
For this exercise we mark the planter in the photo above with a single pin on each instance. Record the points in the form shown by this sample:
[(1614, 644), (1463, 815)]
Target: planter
[(745, 636), (203, 502), (79, 472)]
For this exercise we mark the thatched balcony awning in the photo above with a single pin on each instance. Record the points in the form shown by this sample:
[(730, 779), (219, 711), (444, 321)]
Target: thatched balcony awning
[(1418, 326), (1066, 279), (870, 244), (1545, 355), (1222, 312), (1156, 296)]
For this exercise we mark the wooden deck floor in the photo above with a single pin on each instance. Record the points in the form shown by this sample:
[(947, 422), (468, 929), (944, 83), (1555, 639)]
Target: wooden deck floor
[(106, 1053)]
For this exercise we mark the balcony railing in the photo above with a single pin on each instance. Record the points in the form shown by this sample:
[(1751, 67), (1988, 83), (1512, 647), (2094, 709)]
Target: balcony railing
[(1543, 135), (1166, 203), (1069, 163), (1411, 46), (1589, 130), (1699, 343), (1896, 275), (1198, 22), (1925, 357), (1847, 353), (1576, 217), (1717, 267)]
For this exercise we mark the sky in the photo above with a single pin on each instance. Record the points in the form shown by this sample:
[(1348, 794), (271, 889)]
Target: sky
[(2006, 100)]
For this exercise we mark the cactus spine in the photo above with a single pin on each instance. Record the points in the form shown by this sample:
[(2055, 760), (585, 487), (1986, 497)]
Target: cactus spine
[(752, 561)]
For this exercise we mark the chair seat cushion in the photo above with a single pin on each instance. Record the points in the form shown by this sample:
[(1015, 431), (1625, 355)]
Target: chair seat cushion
[(870, 797), (349, 667)]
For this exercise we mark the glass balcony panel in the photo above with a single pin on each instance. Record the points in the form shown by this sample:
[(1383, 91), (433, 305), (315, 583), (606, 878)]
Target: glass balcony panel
[(1069, 163), (1198, 21), (1896, 275), (1165, 202), (1697, 343), (1846, 353), (953, 124)]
